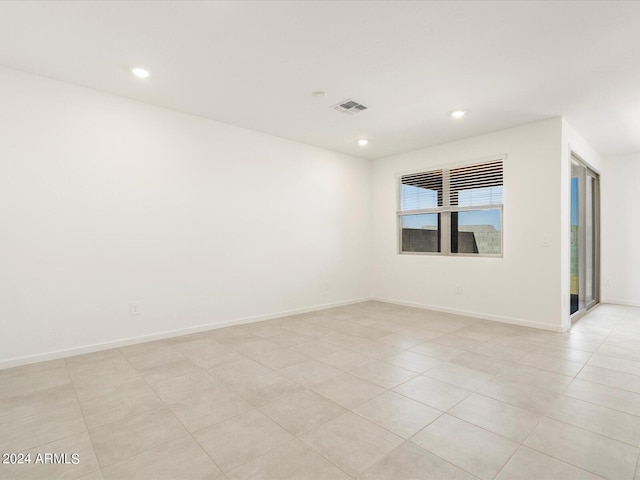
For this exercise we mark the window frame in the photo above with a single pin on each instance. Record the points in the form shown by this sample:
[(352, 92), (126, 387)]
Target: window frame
[(446, 209)]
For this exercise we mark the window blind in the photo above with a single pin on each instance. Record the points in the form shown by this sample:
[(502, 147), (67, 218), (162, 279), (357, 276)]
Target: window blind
[(421, 190), (476, 185)]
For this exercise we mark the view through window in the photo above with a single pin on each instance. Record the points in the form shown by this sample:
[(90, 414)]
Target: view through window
[(452, 210)]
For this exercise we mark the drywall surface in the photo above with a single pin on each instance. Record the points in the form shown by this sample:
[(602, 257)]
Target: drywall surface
[(621, 230), (523, 286), (106, 202)]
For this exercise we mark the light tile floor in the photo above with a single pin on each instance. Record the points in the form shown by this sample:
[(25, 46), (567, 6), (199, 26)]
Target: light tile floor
[(366, 391)]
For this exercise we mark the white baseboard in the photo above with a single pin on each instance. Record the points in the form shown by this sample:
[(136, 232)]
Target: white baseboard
[(483, 316), (16, 362), (626, 303), (70, 352)]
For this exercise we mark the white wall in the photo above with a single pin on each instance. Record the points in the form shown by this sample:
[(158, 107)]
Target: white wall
[(621, 230), (106, 201), (522, 287)]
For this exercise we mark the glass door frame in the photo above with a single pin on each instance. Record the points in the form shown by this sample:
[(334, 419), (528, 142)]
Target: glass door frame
[(585, 172)]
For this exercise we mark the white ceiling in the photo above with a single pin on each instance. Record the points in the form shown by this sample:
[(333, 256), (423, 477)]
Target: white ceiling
[(255, 64)]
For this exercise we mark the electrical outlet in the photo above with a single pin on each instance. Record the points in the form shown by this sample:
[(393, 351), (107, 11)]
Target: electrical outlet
[(458, 289), (134, 308)]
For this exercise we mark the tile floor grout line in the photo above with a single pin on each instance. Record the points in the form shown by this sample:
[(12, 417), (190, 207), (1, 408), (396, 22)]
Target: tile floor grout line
[(56, 440), (546, 415), (143, 452), (609, 385), (86, 426), (392, 432), (191, 434), (46, 410), (365, 340), (165, 407), (593, 353), (442, 458), (617, 358), (564, 394), (147, 449), (508, 460), (331, 461), (296, 393), (295, 438), (564, 461), (156, 409)]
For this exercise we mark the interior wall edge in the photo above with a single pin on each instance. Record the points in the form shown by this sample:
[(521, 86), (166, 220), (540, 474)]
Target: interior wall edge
[(72, 352), (477, 315), (623, 302)]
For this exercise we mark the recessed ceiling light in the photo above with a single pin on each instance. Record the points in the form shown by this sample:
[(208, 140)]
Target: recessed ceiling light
[(362, 142), (319, 94), (141, 72), (458, 114)]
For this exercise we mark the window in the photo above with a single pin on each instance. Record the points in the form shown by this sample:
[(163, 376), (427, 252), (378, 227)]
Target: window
[(452, 211)]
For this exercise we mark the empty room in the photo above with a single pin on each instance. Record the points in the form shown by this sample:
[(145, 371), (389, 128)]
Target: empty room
[(309, 240)]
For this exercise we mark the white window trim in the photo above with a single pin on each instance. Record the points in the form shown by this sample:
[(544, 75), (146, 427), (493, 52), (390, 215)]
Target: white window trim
[(446, 210)]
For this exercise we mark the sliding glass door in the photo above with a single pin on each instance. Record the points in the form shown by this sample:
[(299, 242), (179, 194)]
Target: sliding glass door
[(585, 235)]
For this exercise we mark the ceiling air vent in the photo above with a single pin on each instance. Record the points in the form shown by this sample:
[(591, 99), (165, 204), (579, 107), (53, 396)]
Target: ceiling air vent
[(349, 107)]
